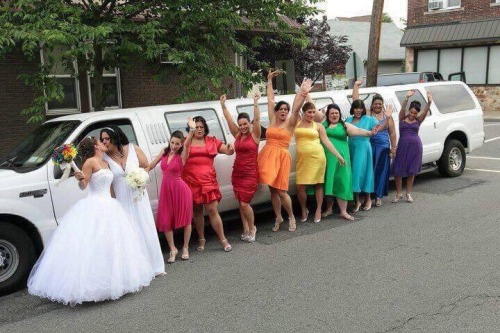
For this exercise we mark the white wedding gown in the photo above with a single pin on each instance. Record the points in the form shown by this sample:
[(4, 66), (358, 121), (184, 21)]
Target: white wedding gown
[(139, 208), (95, 254)]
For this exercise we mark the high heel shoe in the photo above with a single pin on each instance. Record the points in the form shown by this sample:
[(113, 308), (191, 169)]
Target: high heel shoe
[(409, 198), (185, 253), (228, 247), (244, 236), (252, 235), (397, 198), (317, 220), (201, 244), (277, 223), (171, 256), (292, 224), (307, 215), (356, 209)]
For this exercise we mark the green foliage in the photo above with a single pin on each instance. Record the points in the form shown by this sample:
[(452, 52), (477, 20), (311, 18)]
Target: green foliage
[(103, 34), (386, 18)]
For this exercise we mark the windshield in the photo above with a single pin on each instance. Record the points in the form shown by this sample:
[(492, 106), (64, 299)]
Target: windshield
[(37, 148)]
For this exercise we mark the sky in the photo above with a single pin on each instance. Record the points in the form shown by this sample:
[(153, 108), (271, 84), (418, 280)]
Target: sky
[(347, 8)]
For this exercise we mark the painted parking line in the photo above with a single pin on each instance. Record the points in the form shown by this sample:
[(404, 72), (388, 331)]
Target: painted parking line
[(483, 170), (484, 158), (492, 139), (495, 124)]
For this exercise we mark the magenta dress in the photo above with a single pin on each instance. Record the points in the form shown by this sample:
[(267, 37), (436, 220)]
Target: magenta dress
[(175, 206), (408, 160)]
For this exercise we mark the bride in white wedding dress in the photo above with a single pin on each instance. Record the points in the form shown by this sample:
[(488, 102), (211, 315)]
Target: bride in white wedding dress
[(123, 157), (95, 254)]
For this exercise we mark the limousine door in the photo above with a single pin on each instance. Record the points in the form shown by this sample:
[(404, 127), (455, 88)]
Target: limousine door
[(66, 193)]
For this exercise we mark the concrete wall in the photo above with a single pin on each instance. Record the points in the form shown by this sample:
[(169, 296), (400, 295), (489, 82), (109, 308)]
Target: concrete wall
[(489, 97)]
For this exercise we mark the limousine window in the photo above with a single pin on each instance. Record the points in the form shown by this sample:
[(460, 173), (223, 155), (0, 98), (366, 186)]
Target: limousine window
[(451, 98), (178, 121), (95, 129), (417, 96), (38, 146)]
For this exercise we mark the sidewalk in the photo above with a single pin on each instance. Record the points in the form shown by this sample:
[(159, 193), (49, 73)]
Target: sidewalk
[(491, 115)]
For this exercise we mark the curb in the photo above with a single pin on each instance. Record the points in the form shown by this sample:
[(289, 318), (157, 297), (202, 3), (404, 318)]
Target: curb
[(492, 119)]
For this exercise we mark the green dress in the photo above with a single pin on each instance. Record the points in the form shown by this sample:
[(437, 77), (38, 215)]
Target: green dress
[(338, 178)]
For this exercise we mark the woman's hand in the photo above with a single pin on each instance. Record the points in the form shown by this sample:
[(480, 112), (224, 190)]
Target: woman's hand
[(230, 149), (305, 87), (255, 97), (271, 75), (410, 93), (79, 175), (429, 98), (375, 130), (359, 82), (388, 110), (341, 160), (392, 153), (191, 124), (223, 99)]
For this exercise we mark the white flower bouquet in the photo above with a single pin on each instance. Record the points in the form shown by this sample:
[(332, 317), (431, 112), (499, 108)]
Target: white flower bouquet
[(137, 179)]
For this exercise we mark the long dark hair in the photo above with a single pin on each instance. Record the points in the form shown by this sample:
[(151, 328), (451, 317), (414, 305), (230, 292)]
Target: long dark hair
[(358, 104), (86, 148), (116, 137), (329, 108), (200, 119), (176, 134)]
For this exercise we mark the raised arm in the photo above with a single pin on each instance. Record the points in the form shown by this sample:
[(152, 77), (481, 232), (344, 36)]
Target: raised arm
[(299, 99), (402, 112), (188, 140), (270, 94), (388, 115), (320, 115), (423, 114), (256, 130), (233, 127), (355, 90), (155, 162), (326, 142)]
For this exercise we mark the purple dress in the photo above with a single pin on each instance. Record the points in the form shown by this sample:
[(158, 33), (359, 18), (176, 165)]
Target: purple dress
[(175, 206), (408, 160)]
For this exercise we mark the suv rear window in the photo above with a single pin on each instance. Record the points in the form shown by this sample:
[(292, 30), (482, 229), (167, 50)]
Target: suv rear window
[(451, 98)]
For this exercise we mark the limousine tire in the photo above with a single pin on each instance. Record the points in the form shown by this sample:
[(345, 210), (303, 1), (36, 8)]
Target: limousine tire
[(17, 255), (452, 161)]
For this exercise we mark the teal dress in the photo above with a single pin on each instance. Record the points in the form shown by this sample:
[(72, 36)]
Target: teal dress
[(338, 179), (363, 178)]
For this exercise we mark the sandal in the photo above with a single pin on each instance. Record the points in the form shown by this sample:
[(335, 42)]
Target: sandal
[(409, 198), (244, 236), (201, 244), (228, 247), (307, 215), (185, 253), (348, 217), (356, 209), (378, 202), (171, 256), (292, 224), (251, 235), (277, 223), (368, 206), (397, 198), (327, 213)]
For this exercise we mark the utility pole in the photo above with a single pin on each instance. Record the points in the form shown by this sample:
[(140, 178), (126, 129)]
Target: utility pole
[(374, 43)]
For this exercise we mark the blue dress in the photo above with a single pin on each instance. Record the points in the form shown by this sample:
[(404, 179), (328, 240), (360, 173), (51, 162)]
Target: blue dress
[(361, 156), (381, 148)]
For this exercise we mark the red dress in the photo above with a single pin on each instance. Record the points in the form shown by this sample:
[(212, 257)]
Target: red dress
[(245, 177), (199, 172), (175, 206)]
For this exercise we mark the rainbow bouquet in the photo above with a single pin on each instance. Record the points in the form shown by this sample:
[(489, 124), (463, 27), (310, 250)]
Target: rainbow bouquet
[(64, 157)]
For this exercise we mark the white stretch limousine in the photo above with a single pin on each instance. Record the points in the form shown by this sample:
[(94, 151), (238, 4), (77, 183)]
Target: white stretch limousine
[(31, 204)]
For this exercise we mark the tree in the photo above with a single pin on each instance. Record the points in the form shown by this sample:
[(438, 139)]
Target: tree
[(100, 35), (374, 43), (321, 54), (386, 18)]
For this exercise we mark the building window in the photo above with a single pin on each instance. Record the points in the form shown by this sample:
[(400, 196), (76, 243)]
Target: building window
[(444, 4), (493, 2), (474, 65), (111, 85), (64, 76)]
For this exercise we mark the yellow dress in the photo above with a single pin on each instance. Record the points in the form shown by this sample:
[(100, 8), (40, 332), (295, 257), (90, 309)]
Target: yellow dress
[(311, 160)]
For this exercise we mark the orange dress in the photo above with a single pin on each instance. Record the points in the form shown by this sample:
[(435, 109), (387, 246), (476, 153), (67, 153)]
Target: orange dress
[(274, 160)]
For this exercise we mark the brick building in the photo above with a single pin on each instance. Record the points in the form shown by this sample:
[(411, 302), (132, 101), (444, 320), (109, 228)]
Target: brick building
[(450, 36)]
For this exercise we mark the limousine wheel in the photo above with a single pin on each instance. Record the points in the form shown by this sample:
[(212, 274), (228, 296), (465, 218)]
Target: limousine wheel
[(452, 161), (17, 255)]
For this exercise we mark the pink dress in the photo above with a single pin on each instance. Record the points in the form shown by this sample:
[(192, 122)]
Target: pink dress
[(175, 206)]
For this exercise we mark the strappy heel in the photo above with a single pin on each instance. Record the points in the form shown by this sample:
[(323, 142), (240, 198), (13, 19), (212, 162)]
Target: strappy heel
[(397, 198), (185, 253), (252, 235), (292, 224), (277, 223), (171, 256), (228, 247), (201, 244)]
